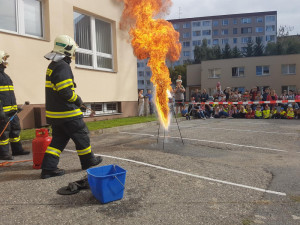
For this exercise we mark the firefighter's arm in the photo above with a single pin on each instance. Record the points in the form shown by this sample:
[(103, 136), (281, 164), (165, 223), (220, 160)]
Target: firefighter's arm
[(65, 87)]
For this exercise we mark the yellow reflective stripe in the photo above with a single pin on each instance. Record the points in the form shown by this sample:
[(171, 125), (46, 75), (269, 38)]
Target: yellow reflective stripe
[(74, 97), (4, 142), (50, 85), (7, 88), (65, 114), (64, 84), (17, 139), (10, 108), (49, 72), (84, 151), (53, 151)]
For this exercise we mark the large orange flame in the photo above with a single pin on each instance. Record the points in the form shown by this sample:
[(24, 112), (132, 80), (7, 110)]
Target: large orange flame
[(155, 39)]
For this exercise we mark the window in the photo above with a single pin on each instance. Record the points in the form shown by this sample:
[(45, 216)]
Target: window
[(148, 73), (225, 41), (206, 32), (100, 108), (186, 53), (287, 69), (234, 30), (215, 41), (186, 44), (225, 22), (215, 32), (235, 21), (246, 20), (246, 30), (259, 29), (262, 70), (148, 82), (235, 40), (288, 88), (186, 25), (208, 42), (176, 26), (259, 20), (196, 33), (94, 37), (214, 73), (206, 23), (186, 35), (197, 43), (270, 38), (141, 73), (224, 31), (196, 24), (23, 17), (270, 28), (238, 71), (140, 65), (270, 18), (257, 39), (245, 40), (141, 82), (215, 23)]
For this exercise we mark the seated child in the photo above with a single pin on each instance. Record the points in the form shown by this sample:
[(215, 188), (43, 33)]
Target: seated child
[(274, 114), (266, 112), (258, 112), (282, 114), (290, 112)]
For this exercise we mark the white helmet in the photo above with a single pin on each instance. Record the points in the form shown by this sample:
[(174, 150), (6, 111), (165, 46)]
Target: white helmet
[(65, 45), (3, 57)]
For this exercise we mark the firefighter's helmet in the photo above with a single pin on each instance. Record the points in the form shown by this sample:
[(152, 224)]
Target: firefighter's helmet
[(65, 45), (3, 57)]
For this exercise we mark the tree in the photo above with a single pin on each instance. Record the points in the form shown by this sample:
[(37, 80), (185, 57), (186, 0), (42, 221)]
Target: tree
[(236, 53), (258, 49), (249, 49), (226, 51), (197, 54), (284, 30), (178, 70), (217, 52)]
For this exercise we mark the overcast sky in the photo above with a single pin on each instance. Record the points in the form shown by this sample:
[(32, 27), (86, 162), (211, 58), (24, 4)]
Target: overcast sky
[(288, 11)]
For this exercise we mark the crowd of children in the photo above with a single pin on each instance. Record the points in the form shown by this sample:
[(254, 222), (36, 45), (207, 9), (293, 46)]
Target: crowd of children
[(263, 111)]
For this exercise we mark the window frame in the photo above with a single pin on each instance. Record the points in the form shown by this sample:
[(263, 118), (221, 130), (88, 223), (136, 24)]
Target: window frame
[(103, 112), (238, 70), (20, 21), (93, 51), (288, 69), (213, 75), (262, 70)]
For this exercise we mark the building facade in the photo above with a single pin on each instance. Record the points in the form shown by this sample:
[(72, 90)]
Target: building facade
[(278, 72), (105, 67), (235, 29)]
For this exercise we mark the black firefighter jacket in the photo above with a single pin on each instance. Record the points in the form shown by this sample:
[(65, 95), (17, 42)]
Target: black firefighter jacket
[(62, 103), (7, 94)]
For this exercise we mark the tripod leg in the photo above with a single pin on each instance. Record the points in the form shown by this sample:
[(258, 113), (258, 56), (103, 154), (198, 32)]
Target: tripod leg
[(164, 139), (178, 127), (158, 133)]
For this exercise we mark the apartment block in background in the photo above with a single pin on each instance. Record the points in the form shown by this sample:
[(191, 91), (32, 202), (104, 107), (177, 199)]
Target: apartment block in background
[(234, 29)]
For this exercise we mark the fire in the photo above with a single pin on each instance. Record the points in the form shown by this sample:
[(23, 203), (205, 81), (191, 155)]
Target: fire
[(157, 40)]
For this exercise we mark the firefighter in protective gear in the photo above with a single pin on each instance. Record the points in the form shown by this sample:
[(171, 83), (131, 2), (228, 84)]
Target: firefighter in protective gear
[(63, 110), (8, 107)]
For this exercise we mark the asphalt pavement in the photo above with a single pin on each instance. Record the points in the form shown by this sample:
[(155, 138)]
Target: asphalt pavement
[(214, 171)]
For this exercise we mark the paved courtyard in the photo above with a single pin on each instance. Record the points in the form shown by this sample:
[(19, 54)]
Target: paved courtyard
[(229, 171)]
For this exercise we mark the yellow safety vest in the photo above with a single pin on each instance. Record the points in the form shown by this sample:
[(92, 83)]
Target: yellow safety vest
[(290, 113), (266, 113), (258, 113)]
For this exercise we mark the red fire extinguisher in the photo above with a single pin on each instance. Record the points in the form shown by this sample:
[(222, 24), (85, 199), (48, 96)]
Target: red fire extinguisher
[(39, 147)]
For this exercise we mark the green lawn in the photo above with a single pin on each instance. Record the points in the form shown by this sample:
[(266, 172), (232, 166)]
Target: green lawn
[(29, 134)]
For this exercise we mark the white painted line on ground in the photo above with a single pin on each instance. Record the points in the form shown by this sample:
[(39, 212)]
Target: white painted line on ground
[(191, 175), (216, 142), (252, 131)]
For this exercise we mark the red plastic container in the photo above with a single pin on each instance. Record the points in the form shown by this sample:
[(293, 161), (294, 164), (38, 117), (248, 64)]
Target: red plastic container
[(39, 147)]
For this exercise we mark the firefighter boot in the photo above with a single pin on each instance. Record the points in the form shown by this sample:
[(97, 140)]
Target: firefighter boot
[(16, 148), (52, 173), (94, 161), (20, 153)]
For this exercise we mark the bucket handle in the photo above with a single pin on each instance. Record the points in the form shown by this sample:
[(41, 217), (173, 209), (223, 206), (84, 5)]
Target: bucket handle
[(118, 178)]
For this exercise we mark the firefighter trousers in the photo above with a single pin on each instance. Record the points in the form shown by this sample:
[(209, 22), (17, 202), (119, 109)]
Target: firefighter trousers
[(11, 135), (61, 134)]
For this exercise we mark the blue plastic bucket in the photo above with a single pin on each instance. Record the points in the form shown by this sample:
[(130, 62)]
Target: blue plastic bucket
[(107, 182)]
